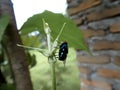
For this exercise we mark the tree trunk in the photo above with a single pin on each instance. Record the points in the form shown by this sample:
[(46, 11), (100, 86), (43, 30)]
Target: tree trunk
[(16, 55)]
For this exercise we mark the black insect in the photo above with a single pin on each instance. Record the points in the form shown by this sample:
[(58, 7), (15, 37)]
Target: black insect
[(63, 51)]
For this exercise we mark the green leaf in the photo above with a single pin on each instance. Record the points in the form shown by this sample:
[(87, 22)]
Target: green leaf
[(70, 34), (4, 20), (31, 59), (7, 87)]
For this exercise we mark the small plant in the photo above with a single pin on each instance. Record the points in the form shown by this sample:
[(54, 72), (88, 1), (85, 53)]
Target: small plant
[(56, 28), (50, 53)]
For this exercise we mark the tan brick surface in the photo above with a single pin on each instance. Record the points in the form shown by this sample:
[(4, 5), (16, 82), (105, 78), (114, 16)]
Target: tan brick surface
[(98, 84), (83, 88), (115, 28), (108, 73), (85, 5), (86, 11), (94, 59), (106, 45), (68, 1), (77, 21), (90, 33), (104, 14), (117, 60), (85, 70)]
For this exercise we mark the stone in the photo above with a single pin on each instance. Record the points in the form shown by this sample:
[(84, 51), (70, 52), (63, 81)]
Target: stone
[(78, 21), (108, 73), (102, 59), (117, 60), (101, 85), (83, 6), (114, 28), (106, 45), (103, 14), (90, 33), (85, 70)]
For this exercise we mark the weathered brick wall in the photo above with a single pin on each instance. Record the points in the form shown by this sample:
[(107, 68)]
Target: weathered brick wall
[(100, 22)]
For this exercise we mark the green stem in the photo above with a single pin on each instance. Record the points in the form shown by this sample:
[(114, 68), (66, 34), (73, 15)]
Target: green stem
[(53, 76), (49, 42), (51, 57)]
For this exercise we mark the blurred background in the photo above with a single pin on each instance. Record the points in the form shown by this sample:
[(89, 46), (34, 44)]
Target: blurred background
[(68, 76)]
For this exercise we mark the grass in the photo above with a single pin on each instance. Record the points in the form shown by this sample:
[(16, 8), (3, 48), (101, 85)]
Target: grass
[(67, 77)]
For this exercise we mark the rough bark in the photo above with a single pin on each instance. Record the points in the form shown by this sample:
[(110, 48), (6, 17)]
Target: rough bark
[(17, 57)]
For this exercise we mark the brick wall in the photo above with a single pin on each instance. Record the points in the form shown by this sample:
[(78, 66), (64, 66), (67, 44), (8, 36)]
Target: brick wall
[(100, 22)]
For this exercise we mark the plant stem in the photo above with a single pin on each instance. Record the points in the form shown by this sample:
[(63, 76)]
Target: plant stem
[(53, 76), (51, 58), (49, 42)]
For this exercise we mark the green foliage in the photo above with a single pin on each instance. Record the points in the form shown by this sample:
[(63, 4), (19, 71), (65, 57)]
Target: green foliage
[(4, 20), (31, 59), (71, 32), (7, 87)]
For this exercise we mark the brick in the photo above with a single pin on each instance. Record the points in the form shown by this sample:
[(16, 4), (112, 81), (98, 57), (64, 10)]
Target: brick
[(105, 59), (106, 45), (83, 88), (117, 60), (78, 21), (85, 70), (104, 14), (115, 28), (108, 73), (83, 6), (90, 33), (68, 1), (97, 84)]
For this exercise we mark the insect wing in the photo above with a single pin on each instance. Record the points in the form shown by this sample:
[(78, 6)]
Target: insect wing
[(63, 51)]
